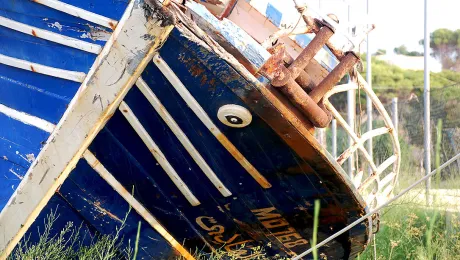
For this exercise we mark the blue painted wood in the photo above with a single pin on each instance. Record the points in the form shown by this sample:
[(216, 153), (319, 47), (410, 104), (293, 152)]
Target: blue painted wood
[(19, 145), (295, 184), (36, 94), (33, 49), (274, 15), (52, 20), (85, 197), (109, 8), (64, 215), (105, 210)]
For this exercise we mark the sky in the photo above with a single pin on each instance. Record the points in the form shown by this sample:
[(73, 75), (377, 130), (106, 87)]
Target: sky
[(397, 22)]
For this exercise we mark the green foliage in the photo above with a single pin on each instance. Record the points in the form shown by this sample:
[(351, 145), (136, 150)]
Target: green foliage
[(409, 232), (314, 239), (403, 51), (445, 44), (67, 245), (387, 75), (380, 52)]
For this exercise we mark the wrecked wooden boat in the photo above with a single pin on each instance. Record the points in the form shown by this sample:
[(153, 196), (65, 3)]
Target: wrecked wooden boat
[(184, 115)]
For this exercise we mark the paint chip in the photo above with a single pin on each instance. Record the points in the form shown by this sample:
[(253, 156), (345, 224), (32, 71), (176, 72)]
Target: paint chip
[(30, 157)]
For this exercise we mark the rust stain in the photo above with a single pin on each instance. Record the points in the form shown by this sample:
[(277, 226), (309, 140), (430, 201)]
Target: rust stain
[(112, 25), (273, 65), (97, 204), (95, 164), (243, 161), (34, 33), (32, 68), (196, 70), (214, 2)]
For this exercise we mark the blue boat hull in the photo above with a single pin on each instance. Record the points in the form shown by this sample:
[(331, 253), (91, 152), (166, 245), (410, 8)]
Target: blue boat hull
[(253, 221)]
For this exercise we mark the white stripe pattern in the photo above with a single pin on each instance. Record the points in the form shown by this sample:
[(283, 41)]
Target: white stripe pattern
[(42, 69), (78, 12), (50, 36), (157, 153), (137, 206), (181, 136), (27, 119), (201, 114)]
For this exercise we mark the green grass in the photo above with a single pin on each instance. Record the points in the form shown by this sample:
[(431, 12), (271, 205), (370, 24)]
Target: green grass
[(67, 245), (409, 232)]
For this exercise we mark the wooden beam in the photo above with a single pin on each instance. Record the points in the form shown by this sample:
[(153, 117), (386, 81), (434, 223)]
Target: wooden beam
[(138, 36)]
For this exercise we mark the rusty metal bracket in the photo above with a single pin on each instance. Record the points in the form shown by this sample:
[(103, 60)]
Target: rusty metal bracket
[(301, 99), (310, 51), (336, 74)]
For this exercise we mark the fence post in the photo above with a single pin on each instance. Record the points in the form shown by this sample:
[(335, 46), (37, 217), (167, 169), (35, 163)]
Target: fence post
[(370, 145), (334, 138), (351, 110), (321, 137), (426, 105), (394, 111)]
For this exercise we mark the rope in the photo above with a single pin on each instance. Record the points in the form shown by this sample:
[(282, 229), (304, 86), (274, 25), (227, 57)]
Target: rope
[(345, 229)]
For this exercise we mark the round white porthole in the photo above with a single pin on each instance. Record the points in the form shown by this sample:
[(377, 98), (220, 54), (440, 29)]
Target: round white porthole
[(234, 116)]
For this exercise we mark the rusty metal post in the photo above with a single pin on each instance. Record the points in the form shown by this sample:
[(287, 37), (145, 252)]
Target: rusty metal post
[(310, 51), (305, 81), (300, 98), (336, 74)]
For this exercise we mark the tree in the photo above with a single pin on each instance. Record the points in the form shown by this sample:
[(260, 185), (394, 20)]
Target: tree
[(403, 51), (446, 48), (380, 52)]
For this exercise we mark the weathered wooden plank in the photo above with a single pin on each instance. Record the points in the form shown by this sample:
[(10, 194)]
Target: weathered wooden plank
[(143, 27)]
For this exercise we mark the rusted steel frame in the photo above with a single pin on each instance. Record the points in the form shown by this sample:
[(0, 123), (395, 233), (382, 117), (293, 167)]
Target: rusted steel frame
[(339, 89), (300, 98), (310, 51), (336, 74), (387, 179), (378, 195), (373, 133), (375, 176), (279, 58), (275, 63), (350, 132), (388, 123), (281, 78), (305, 81)]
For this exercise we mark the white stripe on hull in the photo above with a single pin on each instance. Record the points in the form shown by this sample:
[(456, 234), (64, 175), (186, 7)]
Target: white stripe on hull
[(42, 69), (133, 202), (169, 120), (27, 119), (201, 114), (50, 36), (157, 153), (78, 12), (108, 80)]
